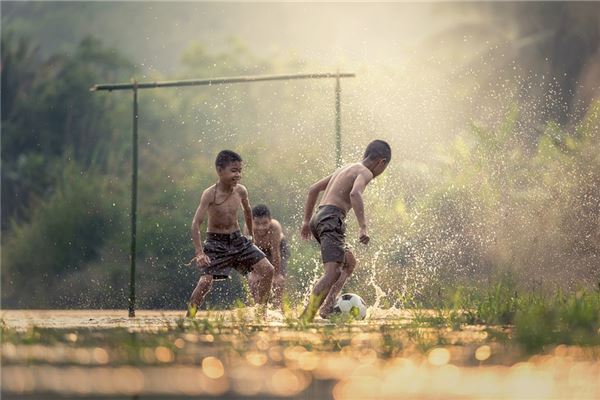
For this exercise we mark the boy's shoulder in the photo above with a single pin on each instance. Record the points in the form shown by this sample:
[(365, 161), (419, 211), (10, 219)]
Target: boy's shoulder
[(354, 166), (358, 169), (241, 189), (276, 229), (209, 190), (275, 224)]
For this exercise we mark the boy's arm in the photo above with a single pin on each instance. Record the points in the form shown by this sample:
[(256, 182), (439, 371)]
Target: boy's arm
[(309, 206), (200, 258), (247, 209), (276, 247), (360, 183)]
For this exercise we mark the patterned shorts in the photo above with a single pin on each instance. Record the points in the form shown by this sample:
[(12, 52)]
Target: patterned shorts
[(227, 251)]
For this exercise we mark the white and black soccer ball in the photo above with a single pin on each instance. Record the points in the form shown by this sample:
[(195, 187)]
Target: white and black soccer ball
[(351, 304)]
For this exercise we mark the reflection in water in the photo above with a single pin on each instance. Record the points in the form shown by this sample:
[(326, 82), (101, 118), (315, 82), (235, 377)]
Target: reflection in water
[(229, 356)]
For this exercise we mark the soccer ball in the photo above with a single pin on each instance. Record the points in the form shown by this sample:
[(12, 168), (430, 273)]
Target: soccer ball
[(352, 305)]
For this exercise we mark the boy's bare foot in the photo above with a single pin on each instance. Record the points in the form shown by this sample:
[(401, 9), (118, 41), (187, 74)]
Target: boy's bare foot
[(191, 310)]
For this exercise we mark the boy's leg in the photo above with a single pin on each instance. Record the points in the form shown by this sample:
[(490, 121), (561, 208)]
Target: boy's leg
[(279, 279), (336, 288), (321, 289), (202, 288), (260, 280), (278, 286), (253, 284)]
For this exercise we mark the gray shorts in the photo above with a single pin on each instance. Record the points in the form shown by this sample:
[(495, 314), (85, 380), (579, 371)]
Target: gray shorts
[(227, 251), (284, 250), (328, 227)]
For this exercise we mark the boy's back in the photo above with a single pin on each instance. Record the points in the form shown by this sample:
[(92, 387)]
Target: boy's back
[(337, 192), (342, 191)]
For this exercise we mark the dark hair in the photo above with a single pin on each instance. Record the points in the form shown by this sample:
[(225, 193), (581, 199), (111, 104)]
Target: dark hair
[(378, 149), (260, 211), (226, 157)]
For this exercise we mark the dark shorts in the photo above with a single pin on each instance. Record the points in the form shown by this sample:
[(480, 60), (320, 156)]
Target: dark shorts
[(328, 227), (227, 251), (284, 250)]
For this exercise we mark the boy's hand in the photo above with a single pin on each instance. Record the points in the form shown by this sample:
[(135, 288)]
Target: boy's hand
[(279, 279), (305, 231), (363, 236), (202, 260)]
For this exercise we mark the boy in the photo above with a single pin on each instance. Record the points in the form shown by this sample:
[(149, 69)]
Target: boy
[(225, 247), (343, 191), (268, 236)]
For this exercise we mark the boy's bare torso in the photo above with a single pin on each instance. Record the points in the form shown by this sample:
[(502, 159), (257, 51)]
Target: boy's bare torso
[(340, 185), (272, 236), (223, 209)]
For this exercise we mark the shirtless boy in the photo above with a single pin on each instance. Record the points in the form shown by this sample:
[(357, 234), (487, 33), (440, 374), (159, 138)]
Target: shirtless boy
[(225, 247), (268, 236), (343, 191)]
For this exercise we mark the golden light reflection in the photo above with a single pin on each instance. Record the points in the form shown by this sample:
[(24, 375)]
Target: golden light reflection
[(71, 337), (147, 355), (363, 387), (295, 361), (190, 337), (285, 383), (308, 361), (256, 359), (164, 354), (293, 353), (100, 355), (247, 381), (439, 356), (275, 353), (207, 338), (483, 353), (213, 367)]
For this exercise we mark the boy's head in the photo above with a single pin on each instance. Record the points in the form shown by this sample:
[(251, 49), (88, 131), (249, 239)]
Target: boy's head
[(229, 167), (261, 218), (379, 153)]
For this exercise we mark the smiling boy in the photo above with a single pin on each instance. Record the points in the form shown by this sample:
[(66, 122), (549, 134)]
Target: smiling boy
[(225, 247), (268, 236)]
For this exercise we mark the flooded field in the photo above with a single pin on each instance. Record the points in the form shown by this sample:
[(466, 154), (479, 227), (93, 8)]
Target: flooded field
[(231, 354)]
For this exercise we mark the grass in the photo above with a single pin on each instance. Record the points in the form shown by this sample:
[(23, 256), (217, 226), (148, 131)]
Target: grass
[(533, 322), (537, 319)]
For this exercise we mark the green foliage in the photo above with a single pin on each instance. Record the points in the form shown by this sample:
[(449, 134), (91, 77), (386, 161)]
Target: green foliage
[(48, 114), (65, 231)]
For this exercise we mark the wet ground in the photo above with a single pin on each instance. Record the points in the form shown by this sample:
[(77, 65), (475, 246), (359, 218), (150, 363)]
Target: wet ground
[(392, 355)]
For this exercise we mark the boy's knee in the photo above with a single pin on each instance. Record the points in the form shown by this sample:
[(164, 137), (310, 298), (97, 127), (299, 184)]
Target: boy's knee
[(333, 274), (265, 269), (349, 262)]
